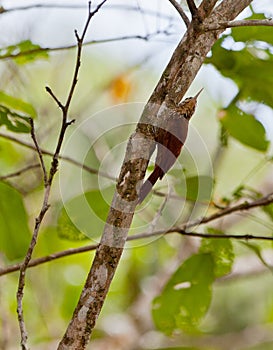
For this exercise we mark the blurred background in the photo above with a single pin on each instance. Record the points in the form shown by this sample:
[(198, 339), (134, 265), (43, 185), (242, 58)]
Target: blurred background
[(128, 45)]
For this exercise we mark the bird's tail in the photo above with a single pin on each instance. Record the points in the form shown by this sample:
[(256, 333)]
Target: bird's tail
[(148, 184)]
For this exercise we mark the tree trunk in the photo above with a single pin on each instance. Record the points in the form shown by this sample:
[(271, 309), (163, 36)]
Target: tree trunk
[(185, 63)]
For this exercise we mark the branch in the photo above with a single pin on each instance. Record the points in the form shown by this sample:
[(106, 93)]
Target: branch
[(20, 172), (266, 200), (55, 98), (146, 37), (88, 248), (192, 7), (176, 79), (79, 7), (43, 6), (48, 258), (206, 7), (181, 12), (32, 132), (246, 237), (65, 158), (23, 268), (49, 178), (240, 23)]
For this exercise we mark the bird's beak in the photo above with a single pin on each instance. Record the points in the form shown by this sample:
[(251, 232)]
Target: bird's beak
[(198, 93)]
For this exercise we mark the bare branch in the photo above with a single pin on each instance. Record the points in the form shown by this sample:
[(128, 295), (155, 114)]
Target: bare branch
[(32, 132), (180, 10), (240, 23), (91, 42), (20, 172), (263, 201), (117, 7), (24, 266), (48, 258), (65, 158), (51, 93), (88, 248), (192, 7), (246, 237), (48, 178)]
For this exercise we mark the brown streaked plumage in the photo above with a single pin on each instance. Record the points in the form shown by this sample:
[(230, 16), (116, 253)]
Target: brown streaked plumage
[(169, 143)]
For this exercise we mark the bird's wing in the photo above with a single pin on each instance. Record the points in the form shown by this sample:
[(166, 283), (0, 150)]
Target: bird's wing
[(170, 143)]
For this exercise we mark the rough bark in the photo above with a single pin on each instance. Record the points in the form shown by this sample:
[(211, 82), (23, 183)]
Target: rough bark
[(185, 63)]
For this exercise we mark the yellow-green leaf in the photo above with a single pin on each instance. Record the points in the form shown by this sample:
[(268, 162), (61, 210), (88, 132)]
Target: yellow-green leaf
[(244, 127), (14, 230), (17, 105), (186, 297)]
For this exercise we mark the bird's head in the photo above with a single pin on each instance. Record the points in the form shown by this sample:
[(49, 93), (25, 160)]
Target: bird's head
[(187, 107)]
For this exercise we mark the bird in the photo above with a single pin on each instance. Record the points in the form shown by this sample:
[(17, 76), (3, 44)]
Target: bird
[(169, 142)]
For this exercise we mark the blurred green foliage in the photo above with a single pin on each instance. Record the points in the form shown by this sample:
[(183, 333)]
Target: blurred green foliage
[(15, 233), (24, 52), (186, 297)]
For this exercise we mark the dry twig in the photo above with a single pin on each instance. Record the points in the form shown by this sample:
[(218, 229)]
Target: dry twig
[(181, 12), (241, 23), (146, 37), (48, 178), (20, 171), (266, 200)]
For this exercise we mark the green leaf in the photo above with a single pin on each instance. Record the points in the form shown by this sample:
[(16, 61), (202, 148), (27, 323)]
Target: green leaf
[(25, 52), (268, 209), (186, 297), (9, 155), (196, 188), (85, 215), (17, 105), (14, 121), (251, 69), (15, 234), (67, 230), (15, 113), (257, 250), (244, 127), (251, 34), (221, 250)]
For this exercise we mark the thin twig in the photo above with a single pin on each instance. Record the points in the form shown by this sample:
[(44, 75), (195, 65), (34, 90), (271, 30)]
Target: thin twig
[(240, 23), (20, 172), (192, 7), (48, 258), (88, 248), (180, 10), (266, 200), (91, 42), (51, 93), (41, 158), (117, 7), (48, 179), (64, 108), (65, 158), (246, 237), (23, 268), (24, 265), (158, 214), (263, 201)]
